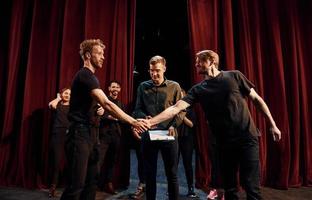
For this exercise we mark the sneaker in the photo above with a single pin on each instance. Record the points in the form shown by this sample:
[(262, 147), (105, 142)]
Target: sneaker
[(139, 192), (213, 194)]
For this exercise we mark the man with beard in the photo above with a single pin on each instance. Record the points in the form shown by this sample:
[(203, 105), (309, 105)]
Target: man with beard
[(80, 144), (110, 132), (222, 96)]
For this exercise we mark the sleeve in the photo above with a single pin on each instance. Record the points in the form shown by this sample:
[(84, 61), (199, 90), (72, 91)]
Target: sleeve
[(178, 120), (191, 96), (190, 114), (244, 84), (139, 105), (91, 82)]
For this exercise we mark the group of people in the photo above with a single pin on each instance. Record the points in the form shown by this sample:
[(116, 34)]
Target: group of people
[(108, 128), (161, 105)]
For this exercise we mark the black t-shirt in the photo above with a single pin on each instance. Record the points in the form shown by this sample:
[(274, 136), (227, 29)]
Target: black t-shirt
[(185, 130), (223, 101), (81, 100), (109, 123), (60, 116)]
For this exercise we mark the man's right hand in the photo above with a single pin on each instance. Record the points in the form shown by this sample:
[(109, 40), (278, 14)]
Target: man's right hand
[(140, 126)]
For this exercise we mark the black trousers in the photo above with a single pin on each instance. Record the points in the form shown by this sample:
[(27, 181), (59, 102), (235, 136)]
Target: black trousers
[(109, 148), (57, 152), (169, 152), (186, 147), (82, 156), (242, 156), (214, 157), (138, 152)]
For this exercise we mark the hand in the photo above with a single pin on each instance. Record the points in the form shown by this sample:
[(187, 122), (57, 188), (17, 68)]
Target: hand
[(136, 133), (276, 133), (148, 121), (141, 125), (172, 131), (100, 111)]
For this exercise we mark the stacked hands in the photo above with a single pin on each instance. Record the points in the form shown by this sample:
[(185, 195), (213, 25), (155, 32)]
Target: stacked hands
[(143, 125), (140, 126)]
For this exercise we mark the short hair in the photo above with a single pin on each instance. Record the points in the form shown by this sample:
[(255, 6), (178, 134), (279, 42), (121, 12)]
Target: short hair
[(157, 59), (63, 90), (113, 81), (208, 55), (87, 45)]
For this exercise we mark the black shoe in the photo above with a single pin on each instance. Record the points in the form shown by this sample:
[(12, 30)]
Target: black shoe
[(191, 193)]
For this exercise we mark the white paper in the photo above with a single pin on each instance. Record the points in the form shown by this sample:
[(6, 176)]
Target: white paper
[(160, 135)]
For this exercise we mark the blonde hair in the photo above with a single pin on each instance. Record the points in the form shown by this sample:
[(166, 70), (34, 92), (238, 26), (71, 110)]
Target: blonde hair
[(208, 55), (87, 45)]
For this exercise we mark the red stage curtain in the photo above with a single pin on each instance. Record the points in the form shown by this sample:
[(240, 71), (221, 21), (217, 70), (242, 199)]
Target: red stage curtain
[(270, 42), (39, 55)]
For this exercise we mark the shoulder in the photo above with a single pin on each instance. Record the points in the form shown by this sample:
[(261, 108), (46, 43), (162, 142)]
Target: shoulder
[(145, 84), (172, 83), (231, 72)]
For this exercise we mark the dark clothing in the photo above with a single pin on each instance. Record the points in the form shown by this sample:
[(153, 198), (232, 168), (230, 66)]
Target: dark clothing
[(60, 116), (109, 149), (60, 126), (214, 157), (223, 101), (110, 133), (138, 153), (169, 153), (242, 157), (151, 100), (82, 157), (186, 146), (57, 152), (81, 141), (81, 100)]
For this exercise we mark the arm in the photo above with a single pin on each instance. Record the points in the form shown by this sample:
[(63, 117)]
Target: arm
[(52, 104), (169, 113), (188, 122), (102, 99), (178, 119), (262, 106)]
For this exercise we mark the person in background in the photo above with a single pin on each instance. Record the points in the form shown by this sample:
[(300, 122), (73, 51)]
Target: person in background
[(60, 106), (186, 147), (110, 133)]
